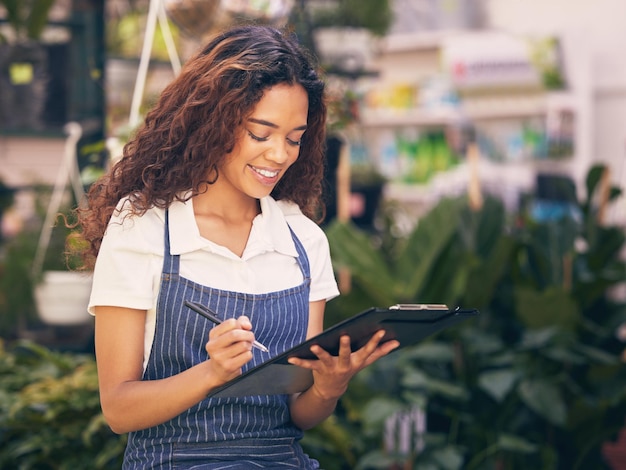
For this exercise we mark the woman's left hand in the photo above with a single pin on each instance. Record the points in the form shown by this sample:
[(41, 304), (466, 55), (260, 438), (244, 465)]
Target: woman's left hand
[(331, 374)]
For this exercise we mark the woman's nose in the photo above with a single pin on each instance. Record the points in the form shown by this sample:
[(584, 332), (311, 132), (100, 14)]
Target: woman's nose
[(278, 153)]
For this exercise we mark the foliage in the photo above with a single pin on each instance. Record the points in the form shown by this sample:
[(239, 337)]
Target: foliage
[(342, 109), (546, 58), (306, 17), (27, 18), (17, 305), (373, 15), (534, 382), (17, 281), (50, 412), (125, 36)]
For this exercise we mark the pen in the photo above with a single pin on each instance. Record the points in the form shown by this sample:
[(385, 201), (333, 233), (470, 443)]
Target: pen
[(210, 315)]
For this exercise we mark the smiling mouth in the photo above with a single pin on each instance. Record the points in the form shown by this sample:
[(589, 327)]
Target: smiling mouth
[(265, 173)]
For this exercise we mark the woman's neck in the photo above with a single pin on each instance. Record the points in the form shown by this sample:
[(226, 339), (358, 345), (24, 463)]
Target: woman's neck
[(225, 222)]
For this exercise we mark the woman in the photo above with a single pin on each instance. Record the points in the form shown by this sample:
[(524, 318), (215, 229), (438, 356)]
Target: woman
[(214, 201)]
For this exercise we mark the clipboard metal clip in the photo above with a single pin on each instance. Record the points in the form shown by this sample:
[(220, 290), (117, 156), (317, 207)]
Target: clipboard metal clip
[(419, 307)]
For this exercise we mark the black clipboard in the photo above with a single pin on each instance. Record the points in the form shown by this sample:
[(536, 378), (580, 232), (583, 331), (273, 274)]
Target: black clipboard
[(407, 323)]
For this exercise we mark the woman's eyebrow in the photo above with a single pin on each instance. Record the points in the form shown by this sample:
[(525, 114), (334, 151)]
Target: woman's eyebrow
[(272, 125)]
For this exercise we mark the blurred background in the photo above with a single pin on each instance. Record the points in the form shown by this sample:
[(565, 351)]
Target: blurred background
[(476, 156)]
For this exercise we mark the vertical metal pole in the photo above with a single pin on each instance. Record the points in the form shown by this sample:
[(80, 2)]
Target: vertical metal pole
[(144, 62)]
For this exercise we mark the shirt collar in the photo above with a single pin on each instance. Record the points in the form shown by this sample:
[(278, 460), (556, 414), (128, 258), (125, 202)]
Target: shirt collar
[(270, 231)]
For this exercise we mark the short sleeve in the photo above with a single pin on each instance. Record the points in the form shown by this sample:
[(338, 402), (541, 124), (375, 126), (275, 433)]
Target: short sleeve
[(129, 262)]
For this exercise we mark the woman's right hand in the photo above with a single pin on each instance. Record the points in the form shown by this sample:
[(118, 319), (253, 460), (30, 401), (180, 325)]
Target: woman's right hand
[(230, 347), (130, 403)]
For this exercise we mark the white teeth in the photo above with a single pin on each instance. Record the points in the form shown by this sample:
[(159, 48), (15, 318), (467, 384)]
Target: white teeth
[(266, 173)]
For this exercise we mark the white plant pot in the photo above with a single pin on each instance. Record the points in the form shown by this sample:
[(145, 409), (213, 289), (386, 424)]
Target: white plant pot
[(62, 297)]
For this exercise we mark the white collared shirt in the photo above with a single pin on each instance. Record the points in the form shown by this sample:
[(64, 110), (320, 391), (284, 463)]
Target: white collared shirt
[(129, 264)]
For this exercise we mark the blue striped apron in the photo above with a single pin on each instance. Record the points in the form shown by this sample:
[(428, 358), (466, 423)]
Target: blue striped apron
[(222, 433)]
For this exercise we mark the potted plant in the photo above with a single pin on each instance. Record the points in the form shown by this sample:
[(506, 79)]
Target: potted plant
[(41, 300), (339, 33), (535, 382), (348, 18), (364, 180), (23, 63), (62, 291), (342, 113)]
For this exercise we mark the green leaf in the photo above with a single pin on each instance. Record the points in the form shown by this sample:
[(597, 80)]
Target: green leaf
[(419, 380), (374, 15), (425, 244), (545, 399), (28, 17), (518, 444), (604, 248), (564, 355), (594, 175), (490, 226), (479, 342), (38, 17), (433, 351), (351, 248), (537, 339), (379, 409), (483, 279), (597, 355), (446, 458), (551, 307), (614, 193), (378, 459), (498, 383)]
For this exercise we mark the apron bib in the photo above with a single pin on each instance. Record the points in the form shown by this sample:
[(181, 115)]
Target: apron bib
[(222, 433)]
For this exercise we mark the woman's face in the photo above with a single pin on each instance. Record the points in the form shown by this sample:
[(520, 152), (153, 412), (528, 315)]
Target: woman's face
[(268, 142)]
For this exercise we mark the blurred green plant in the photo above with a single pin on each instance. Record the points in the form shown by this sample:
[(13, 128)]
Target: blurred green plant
[(535, 382), (17, 305), (125, 36), (17, 281), (545, 55), (27, 18), (343, 109), (373, 15), (50, 414)]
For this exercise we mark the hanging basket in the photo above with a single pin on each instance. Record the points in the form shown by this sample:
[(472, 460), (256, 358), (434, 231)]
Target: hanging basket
[(194, 17), (61, 298), (199, 17)]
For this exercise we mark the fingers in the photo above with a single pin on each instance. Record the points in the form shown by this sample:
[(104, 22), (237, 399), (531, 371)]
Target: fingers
[(331, 374), (370, 348), (380, 351), (233, 330), (346, 359), (231, 340)]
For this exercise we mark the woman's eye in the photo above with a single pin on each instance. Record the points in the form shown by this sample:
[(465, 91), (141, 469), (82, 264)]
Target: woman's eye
[(256, 137), (295, 143)]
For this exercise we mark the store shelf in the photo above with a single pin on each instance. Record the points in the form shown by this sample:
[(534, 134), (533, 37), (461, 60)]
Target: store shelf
[(397, 118), (511, 118), (420, 41), (476, 110)]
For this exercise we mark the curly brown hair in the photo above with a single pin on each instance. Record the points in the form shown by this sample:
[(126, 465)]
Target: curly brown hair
[(193, 127)]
